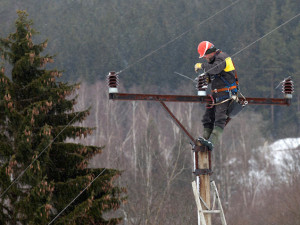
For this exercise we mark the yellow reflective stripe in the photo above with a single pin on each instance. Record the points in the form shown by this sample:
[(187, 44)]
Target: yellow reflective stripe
[(229, 65)]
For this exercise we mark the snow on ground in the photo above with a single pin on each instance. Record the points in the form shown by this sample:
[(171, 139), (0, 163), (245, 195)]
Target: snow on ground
[(285, 144), (280, 154), (281, 149)]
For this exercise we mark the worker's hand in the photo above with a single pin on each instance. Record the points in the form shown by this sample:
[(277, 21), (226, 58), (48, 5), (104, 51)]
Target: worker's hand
[(198, 67)]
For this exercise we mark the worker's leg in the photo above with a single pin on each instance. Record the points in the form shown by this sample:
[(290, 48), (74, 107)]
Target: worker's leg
[(208, 121), (207, 133), (221, 114), (220, 122), (216, 136)]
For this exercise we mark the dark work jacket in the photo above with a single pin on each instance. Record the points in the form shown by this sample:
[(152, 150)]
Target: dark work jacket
[(220, 65)]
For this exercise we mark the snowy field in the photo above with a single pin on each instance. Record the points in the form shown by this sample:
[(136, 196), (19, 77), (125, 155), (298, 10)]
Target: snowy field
[(281, 149)]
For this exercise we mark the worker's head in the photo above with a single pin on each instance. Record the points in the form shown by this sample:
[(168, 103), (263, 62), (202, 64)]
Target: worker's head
[(206, 50)]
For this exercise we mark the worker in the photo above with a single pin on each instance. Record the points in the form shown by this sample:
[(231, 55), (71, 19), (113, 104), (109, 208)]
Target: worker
[(219, 71)]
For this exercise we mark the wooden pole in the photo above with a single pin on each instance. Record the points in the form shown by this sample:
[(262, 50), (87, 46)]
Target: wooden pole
[(203, 163)]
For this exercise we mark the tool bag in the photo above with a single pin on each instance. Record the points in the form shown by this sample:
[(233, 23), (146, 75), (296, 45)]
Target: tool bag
[(235, 107)]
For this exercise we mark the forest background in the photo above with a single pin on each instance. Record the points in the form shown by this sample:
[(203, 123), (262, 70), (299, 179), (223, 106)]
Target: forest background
[(93, 37)]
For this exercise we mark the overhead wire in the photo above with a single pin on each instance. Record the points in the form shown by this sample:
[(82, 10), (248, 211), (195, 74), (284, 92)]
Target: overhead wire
[(152, 52), (260, 38), (21, 174), (176, 38), (70, 203), (136, 62), (130, 65)]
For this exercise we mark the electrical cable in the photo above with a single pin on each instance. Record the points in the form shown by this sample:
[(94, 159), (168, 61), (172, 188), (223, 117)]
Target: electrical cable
[(292, 18), (79, 194), (260, 38), (144, 57), (141, 59), (176, 38), (162, 46), (152, 52), (21, 174)]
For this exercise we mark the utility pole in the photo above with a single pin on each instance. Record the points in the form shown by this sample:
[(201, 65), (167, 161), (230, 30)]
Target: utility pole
[(202, 156)]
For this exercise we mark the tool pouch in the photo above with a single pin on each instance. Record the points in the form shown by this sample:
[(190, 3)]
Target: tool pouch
[(234, 108)]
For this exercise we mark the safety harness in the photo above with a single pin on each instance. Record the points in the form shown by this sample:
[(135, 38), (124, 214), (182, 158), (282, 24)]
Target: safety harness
[(233, 90), (230, 88)]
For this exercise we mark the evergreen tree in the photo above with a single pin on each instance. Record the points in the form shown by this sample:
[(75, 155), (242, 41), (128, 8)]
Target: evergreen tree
[(40, 173)]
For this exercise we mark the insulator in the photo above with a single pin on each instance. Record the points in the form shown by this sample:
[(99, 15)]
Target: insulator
[(113, 82), (201, 85), (288, 88)]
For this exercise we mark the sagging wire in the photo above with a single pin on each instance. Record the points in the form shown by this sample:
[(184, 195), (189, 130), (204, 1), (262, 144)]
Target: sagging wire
[(79, 194), (162, 46), (21, 174), (180, 74), (174, 39), (276, 28), (152, 52), (281, 82)]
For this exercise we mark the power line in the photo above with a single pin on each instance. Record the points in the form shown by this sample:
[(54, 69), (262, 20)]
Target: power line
[(260, 38), (276, 28), (21, 174), (79, 194), (176, 38), (152, 52)]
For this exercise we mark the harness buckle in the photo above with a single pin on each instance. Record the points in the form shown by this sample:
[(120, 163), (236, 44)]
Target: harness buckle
[(230, 93)]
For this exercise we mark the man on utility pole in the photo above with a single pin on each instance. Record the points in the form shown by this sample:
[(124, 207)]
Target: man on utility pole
[(220, 73)]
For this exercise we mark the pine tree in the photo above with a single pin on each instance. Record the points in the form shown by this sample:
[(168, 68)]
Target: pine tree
[(40, 173)]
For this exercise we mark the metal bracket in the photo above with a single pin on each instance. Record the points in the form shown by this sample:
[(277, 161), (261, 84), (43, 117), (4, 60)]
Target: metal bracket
[(197, 148), (199, 172)]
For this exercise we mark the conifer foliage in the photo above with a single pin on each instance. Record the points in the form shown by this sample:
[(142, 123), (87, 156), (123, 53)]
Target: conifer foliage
[(41, 173)]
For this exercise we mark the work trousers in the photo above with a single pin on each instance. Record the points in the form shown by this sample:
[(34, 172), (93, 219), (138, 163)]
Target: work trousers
[(216, 116)]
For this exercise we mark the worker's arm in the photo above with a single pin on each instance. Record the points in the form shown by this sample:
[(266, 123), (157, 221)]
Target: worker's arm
[(216, 68)]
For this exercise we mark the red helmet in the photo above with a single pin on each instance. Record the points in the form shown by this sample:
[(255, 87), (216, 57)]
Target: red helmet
[(205, 47)]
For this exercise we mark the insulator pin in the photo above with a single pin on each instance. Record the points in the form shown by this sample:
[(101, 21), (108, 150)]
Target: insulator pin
[(113, 82), (288, 88), (202, 85)]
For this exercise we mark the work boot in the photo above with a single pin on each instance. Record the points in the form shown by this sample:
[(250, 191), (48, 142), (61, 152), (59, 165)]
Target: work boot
[(216, 136), (206, 133), (206, 143)]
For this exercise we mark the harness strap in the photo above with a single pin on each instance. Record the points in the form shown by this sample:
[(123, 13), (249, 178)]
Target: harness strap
[(224, 89), (234, 87), (236, 77)]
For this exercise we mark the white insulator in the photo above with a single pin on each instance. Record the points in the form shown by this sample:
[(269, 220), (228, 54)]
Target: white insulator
[(289, 96), (201, 93), (112, 90)]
